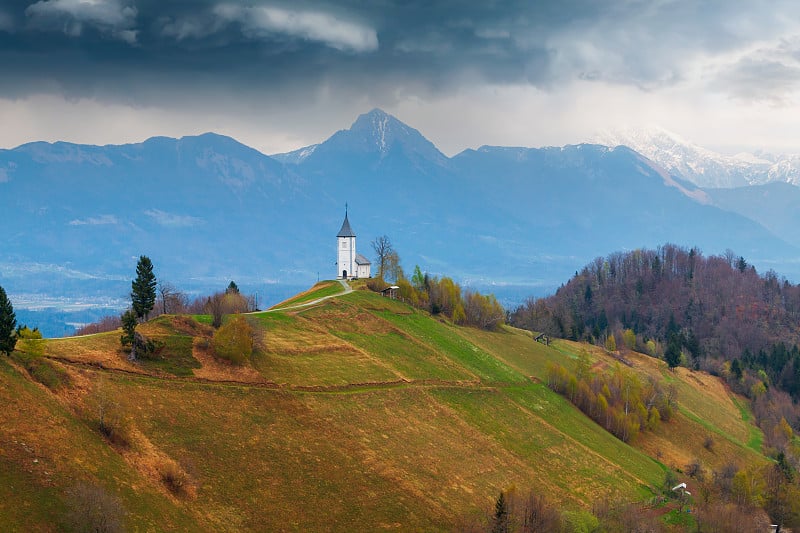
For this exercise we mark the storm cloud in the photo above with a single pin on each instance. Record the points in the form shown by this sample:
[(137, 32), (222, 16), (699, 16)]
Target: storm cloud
[(76, 45), (237, 57), (110, 17)]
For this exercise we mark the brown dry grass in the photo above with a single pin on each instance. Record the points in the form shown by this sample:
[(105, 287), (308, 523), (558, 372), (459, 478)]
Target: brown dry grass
[(154, 465), (214, 369), (47, 446), (103, 350)]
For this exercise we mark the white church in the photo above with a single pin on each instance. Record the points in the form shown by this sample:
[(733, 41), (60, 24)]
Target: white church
[(349, 263)]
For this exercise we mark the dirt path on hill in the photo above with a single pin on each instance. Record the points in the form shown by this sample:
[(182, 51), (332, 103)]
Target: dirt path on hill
[(347, 290)]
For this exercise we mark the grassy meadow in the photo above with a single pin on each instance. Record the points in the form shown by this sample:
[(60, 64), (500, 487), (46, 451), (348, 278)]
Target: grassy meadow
[(356, 413)]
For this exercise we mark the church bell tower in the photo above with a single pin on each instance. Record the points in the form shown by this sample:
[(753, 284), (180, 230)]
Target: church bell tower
[(346, 255)]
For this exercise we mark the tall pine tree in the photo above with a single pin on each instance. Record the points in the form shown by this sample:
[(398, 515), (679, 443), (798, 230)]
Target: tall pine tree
[(143, 288), (8, 321), (500, 520), (673, 353)]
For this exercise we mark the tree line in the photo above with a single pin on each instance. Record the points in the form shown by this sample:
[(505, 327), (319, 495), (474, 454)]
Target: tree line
[(618, 401), (729, 500), (151, 298), (440, 296)]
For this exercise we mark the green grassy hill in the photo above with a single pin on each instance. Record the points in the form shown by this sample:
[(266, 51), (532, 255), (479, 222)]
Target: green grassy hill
[(355, 413)]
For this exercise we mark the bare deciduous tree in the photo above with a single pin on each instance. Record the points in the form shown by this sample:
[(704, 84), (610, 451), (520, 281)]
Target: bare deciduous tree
[(170, 299), (215, 307), (92, 508), (383, 247)]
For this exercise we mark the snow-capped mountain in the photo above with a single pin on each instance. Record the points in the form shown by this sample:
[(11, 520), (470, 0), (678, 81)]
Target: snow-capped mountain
[(376, 137), (701, 166), (295, 157)]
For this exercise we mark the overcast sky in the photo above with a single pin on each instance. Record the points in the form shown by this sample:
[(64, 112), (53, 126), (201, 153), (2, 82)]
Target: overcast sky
[(280, 75)]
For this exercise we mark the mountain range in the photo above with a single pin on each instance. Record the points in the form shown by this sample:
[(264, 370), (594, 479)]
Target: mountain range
[(208, 209), (701, 166)]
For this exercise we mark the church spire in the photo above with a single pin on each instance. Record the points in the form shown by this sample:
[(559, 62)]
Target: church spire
[(346, 230)]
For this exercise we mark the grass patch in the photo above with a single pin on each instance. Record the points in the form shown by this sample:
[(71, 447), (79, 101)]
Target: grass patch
[(557, 439), (76, 348), (755, 441), (556, 411), (42, 370), (412, 360), (46, 449), (299, 350), (24, 500), (518, 349), (320, 290), (269, 319), (203, 319), (446, 340), (173, 356)]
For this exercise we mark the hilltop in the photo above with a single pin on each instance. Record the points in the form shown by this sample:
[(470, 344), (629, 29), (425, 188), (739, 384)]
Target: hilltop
[(354, 412)]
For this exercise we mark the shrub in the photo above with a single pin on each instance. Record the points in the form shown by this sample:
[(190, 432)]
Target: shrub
[(24, 332), (730, 518), (112, 420), (92, 509), (226, 303), (695, 470), (145, 348), (376, 284), (579, 521), (115, 427), (173, 477), (611, 343), (233, 341)]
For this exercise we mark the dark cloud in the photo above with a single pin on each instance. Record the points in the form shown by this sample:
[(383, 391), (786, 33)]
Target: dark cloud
[(6, 22), (181, 52), (111, 17)]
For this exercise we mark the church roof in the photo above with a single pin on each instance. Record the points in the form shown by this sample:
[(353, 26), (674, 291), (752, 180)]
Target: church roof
[(361, 260), (346, 230)]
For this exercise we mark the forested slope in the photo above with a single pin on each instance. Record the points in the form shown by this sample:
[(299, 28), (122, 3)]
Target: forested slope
[(715, 309)]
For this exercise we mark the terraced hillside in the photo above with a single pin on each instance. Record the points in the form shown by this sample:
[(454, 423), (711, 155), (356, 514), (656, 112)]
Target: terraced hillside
[(354, 413)]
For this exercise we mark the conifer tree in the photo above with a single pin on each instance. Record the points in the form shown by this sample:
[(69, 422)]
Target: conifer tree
[(673, 353), (128, 327), (143, 288), (8, 321), (500, 521)]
